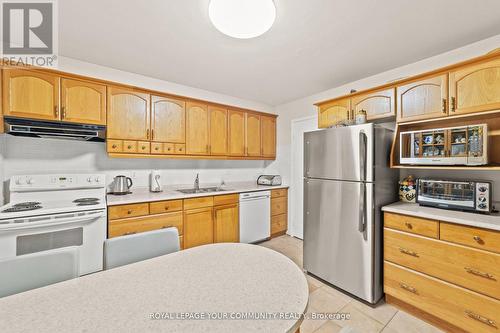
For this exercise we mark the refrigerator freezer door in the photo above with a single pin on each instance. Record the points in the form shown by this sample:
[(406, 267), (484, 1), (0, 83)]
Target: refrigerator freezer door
[(339, 235), (343, 153)]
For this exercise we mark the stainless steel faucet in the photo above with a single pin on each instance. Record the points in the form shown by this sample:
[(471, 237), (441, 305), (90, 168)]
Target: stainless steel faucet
[(197, 182)]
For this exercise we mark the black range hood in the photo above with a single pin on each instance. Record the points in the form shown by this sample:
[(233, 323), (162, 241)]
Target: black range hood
[(54, 129)]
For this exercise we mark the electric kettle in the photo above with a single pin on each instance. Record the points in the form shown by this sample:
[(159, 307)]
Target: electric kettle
[(121, 185)]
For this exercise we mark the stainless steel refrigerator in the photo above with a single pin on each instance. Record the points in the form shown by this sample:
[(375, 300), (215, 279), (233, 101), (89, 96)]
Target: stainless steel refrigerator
[(346, 181)]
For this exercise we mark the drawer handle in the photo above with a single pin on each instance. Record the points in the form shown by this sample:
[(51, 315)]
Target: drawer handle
[(129, 233), (156, 148), (408, 252), (409, 225), (167, 226), (478, 273), (166, 207), (114, 146), (129, 147), (478, 239), (129, 211), (143, 147), (480, 318), (408, 288)]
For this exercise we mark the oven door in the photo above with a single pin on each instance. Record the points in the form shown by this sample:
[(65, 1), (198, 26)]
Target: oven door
[(85, 230), (446, 194)]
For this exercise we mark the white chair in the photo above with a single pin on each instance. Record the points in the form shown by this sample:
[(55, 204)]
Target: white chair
[(30, 271), (128, 249)]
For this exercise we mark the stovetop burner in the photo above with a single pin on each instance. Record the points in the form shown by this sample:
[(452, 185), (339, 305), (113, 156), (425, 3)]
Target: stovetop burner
[(87, 200), (18, 208), (27, 203)]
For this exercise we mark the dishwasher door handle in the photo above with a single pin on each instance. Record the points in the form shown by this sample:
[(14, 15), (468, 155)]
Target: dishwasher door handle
[(253, 198)]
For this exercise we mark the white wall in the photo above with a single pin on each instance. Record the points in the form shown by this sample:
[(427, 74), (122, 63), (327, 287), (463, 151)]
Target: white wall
[(20, 155), (304, 107)]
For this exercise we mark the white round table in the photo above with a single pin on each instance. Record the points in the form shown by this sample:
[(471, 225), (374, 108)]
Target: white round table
[(212, 288)]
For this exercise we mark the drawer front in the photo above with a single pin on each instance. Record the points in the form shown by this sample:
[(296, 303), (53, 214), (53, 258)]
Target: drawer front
[(165, 206), (168, 148), (147, 223), (470, 268), (130, 146), (143, 147), (114, 146), (278, 206), (460, 307), (198, 202), (282, 192), (123, 211), (278, 223), (156, 148), (226, 199), (414, 225), (488, 240), (180, 149)]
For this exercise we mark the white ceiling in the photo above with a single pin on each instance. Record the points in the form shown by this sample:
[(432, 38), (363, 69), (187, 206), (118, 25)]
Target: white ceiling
[(313, 46)]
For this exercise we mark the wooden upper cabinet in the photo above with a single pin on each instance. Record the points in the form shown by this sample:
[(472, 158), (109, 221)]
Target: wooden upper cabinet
[(423, 99), (168, 120), (475, 88), (218, 130), (83, 102), (198, 227), (334, 112), (268, 127), (128, 114), (236, 133), (197, 129), (379, 104), (30, 94), (253, 137), (227, 224)]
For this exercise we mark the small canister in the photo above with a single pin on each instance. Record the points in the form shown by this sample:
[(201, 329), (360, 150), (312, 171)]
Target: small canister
[(361, 117), (408, 190)]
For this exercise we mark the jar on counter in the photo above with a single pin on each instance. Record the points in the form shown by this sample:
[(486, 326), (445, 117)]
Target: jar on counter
[(361, 117)]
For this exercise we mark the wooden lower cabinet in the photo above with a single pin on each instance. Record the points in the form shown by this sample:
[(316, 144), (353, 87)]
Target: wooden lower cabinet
[(198, 227), (453, 286), (279, 212), (226, 224)]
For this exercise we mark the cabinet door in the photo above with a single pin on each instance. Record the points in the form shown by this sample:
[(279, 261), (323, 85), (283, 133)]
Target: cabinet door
[(198, 227), (218, 131), (423, 99), (253, 137), (30, 94), (83, 102), (227, 224), (268, 128), (168, 120), (380, 104), (236, 133), (128, 114), (197, 130), (334, 112), (475, 88)]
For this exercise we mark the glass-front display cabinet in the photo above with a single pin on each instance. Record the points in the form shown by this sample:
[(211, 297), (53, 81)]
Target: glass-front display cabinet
[(466, 145)]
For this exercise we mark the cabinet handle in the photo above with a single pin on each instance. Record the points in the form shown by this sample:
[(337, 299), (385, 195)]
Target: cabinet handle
[(409, 225), (479, 273), (129, 233), (408, 288), (156, 148), (478, 239), (444, 105), (129, 146), (480, 318), (114, 146), (453, 104), (408, 252), (352, 114), (147, 133), (143, 147), (152, 134), (129, 212), (56, 111), (348, 114), (166, 207)]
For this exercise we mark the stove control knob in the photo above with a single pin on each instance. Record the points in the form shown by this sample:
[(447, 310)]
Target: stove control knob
[(19, 181), (89, 180), (30, 181), (97, 179)]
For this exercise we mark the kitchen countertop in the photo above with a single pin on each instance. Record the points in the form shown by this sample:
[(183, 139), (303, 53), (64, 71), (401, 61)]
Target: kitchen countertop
[(142, 194), (212, 279), (491, 221)]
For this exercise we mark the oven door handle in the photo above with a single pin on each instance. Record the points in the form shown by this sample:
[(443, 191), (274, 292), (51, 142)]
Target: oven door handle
[(87, 218)]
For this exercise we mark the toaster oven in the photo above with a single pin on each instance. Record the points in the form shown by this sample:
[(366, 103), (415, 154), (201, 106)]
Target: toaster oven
[(458, 195)]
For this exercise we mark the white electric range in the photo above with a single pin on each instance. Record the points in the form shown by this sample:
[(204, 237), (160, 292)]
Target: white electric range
[(48, 212)]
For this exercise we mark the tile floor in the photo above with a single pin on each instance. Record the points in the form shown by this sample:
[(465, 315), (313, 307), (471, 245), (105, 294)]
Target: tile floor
[(364, 319)]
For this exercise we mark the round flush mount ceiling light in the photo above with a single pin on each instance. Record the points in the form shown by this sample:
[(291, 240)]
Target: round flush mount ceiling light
[(242, 18)]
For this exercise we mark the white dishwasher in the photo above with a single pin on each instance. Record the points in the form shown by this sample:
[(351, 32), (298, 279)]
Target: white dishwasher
[(255, 216)]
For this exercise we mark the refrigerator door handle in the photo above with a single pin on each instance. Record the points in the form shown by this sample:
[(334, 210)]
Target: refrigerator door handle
[(362, 155), (362, 210)]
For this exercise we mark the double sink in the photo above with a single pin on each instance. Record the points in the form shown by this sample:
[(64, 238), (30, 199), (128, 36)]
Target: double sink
[(202, 190)]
